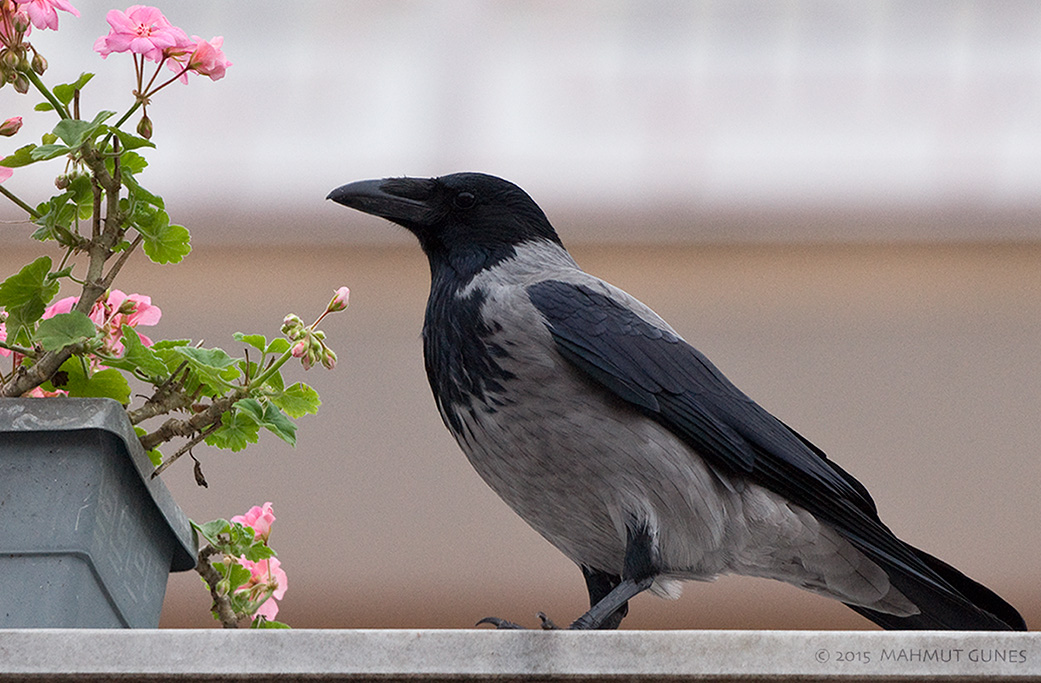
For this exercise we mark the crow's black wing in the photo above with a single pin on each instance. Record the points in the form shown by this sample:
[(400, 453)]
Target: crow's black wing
[(671, 382)]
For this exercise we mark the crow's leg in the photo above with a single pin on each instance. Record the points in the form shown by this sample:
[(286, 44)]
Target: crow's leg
[(609, 596), (600, 584)]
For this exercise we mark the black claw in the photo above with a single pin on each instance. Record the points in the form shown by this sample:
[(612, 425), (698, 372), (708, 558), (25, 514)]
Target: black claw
[(547, 623), (499, 623)]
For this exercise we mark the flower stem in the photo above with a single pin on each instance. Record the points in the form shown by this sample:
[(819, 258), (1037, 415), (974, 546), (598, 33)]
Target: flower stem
[(266, 375), (35, 80), (123, 119), (22, 205)]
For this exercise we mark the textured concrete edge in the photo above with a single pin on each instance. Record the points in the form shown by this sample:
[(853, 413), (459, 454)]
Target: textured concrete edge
[(518, 654)]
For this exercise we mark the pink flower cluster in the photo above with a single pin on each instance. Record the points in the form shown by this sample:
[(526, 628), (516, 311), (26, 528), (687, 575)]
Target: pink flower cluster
[(267, 578), (259, 519), (43, 14), (111, 313), (143, 30)]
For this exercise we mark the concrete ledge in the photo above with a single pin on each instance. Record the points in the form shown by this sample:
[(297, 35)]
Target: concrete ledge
[(466, 655)]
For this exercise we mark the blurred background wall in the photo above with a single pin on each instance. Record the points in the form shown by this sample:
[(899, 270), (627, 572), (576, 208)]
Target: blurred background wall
[(838, 202)]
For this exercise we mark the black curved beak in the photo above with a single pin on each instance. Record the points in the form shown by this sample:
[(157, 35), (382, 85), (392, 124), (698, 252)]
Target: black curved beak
[(410, 202)]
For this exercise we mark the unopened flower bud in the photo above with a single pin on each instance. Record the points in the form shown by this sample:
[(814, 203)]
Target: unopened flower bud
[(329, 359), (11, 126), (21, 83), (62, 182), (299, 349), (144, 128), (293, 326), (10, 60), (340, 300), (21, 22), (39, 63)]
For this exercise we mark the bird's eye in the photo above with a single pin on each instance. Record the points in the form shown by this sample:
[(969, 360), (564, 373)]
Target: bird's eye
[(464, 200)]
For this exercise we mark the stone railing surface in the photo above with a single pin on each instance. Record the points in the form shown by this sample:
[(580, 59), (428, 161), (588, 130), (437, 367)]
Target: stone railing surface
[(474, 655)]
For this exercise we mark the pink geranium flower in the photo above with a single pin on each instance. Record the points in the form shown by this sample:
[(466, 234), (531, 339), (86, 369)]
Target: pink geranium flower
[(208, 59), (142, 30), (111, 313), (5, 173), (43, 13), (266, 578), (201, 56), (259, 519)]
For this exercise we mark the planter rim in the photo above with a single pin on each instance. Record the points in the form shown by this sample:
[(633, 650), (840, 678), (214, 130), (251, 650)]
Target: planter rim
[(108, 415)]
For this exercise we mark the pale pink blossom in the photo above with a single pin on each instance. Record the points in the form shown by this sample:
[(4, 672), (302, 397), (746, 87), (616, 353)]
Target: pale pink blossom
[(3, 337), (111, 313), (5, 173), (62, 306), (266, 578), (10, 126), (259, 519), (208, 59), (43, 13), (142, 30)]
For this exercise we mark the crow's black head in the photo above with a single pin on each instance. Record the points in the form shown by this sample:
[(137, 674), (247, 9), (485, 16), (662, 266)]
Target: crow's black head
[(470, 220)]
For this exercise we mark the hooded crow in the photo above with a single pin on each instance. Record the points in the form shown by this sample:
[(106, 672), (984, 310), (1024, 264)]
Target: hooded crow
[(623, 445)]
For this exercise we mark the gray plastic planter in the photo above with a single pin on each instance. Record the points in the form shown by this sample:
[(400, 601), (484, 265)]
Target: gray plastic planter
[(87, 539)]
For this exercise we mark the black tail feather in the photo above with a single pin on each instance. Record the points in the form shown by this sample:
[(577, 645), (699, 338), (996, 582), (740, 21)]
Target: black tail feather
[(961, 605)]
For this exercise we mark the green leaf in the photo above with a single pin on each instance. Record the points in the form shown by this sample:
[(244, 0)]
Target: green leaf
[(257, 341), (24, 296), (212, 529), (251, 407), (213, 367), (238, 575), (215, 359), (164, 344), (141, 356), (237, 431), (66, 91), (257, 552), (140, 194), (279, 345), (129, 141), (56, 217), (108, 383), (278, 424), (164, 243), (23, 156), (298, 400), (44, 106), (275, 382), (45, 152), (65, 329), (29, 284), (133, 162), (74, 132)]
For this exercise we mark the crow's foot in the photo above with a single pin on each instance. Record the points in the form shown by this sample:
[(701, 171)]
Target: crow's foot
[(546, 623), (499, 623)]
